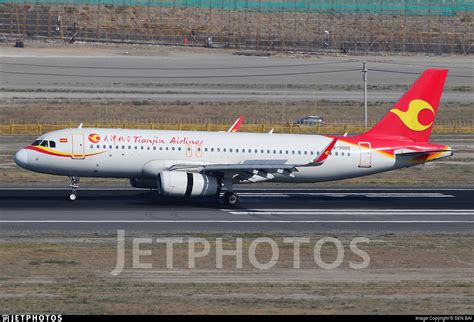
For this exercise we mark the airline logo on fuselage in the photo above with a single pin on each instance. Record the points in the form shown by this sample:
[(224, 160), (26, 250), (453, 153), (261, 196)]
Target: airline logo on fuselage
[(94, 138), (411, 117)]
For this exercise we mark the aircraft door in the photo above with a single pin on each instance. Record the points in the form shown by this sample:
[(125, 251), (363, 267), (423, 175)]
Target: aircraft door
[(77, 146), (365, 155)]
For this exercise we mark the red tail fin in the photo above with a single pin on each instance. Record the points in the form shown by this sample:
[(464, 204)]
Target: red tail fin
[(412, 117)]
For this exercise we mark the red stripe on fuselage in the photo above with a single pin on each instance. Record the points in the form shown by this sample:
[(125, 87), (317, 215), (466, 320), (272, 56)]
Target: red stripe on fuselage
[(34, 148)]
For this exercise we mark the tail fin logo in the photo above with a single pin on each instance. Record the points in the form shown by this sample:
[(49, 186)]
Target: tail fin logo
[(410, 117)]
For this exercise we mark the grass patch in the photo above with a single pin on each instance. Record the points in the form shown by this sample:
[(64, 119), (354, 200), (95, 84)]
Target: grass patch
[(53, 262)]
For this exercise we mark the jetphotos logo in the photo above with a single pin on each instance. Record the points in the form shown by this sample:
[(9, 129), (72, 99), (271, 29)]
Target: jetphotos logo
[(31, 318), (153, 255), (94, 138)]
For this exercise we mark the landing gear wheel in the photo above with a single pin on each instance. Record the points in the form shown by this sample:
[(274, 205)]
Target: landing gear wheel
[(231, 199), (74, 186)]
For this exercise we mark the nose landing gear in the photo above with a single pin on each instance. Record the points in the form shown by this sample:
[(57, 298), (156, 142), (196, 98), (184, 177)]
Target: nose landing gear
[(74, 186)]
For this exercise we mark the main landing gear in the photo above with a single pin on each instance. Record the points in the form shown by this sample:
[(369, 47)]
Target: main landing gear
[(74, 186), (231, 199)]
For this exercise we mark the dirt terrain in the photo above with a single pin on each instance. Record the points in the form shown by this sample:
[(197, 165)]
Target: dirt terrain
[(334, 113), (407, 274)]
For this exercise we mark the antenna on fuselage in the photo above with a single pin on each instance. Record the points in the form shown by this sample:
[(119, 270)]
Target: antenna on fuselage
[(80, 126)]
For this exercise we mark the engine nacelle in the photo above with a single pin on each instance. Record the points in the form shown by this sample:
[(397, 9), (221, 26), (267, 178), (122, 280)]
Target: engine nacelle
[(144, 183), (184, 184)]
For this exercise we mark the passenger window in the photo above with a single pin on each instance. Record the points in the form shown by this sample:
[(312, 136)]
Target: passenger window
[(299, 152), (286, 151), (224, 150), (173, 148), (92, 146), (123, 147), (52, 144), (205, 149), (243, 150), (305, 152), (154, 148), (98, 146)]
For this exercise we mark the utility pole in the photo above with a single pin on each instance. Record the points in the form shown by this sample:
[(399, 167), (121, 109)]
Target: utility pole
[(365, 70)]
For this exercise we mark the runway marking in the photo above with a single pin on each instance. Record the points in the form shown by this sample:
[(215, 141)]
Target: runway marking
[(351, 210), (354, 212), (277, 190), (235, 221), (349, 214), (349, 194)]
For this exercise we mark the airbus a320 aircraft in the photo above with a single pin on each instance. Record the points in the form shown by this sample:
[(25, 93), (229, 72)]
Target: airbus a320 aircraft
[(197, 164)]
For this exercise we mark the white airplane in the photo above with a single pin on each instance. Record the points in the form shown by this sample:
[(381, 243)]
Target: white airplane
[(196, 164)]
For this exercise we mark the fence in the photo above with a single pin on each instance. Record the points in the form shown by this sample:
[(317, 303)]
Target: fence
[(385, 7), (37, 129), (435, 26)]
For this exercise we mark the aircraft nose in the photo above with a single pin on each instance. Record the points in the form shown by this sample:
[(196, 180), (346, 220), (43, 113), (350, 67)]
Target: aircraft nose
[(21, 158)]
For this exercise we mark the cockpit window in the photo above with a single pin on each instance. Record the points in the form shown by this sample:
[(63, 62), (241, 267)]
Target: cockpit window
[(36, 143), (44, 143), (52, 144)]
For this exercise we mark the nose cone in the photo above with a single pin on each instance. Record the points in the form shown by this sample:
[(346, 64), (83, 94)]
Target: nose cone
[(21, 158)]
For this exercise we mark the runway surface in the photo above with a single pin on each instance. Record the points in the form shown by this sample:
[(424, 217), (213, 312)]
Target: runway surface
[(270, 210), (32, 74)]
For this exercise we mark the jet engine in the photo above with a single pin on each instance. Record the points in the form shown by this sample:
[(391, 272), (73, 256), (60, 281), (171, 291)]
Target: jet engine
[(184, 184)]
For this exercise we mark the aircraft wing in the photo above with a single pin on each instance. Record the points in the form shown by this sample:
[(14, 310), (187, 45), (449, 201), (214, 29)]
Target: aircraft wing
[(252, 170)]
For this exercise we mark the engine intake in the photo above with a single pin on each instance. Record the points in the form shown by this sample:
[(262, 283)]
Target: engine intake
[(183, 184)]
